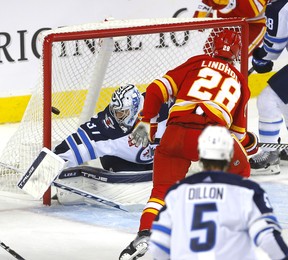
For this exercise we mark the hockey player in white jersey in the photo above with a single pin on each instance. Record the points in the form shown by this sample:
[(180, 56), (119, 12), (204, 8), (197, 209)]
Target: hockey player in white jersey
[(272, 103), (216, 215), (106, 135)]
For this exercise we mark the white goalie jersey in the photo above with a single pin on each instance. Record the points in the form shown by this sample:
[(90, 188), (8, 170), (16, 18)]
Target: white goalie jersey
[(216, 216), (102, 137)]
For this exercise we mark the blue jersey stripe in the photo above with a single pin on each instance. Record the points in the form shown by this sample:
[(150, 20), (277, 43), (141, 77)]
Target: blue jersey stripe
[(267, 49), (275, 40), (259, 233), (164, 248), (269, 133), (74, 147), (87, 142), (162, 229), (275, 122)]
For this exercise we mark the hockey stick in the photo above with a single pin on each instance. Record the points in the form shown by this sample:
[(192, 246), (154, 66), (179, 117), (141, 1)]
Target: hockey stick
[(42, 173), (8, 166), (10, 251), (89, 196), (250, 71), (273, 145)]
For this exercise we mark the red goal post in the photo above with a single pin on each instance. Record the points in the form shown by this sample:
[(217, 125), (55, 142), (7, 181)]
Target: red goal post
[(82, 65)]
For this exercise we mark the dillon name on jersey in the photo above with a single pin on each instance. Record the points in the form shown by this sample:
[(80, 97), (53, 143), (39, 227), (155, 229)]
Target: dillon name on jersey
[(209, 214)]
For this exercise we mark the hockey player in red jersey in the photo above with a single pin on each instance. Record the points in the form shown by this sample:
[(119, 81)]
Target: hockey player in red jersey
[(207, 91), (253, 10)]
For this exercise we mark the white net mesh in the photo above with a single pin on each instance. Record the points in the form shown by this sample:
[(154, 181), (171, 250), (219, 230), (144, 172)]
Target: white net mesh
[(86, 72)]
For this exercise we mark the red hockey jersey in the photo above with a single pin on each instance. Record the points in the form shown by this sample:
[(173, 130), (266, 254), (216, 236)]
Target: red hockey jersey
[(202, 84)]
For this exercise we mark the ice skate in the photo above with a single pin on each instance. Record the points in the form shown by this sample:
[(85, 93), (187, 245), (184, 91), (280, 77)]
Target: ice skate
[(284, 154), (265, 163), (137, 248)]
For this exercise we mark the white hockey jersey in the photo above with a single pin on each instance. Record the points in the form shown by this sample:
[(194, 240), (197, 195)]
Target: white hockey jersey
[(275, 41), (216, 216), (276, 37), (102, 136)]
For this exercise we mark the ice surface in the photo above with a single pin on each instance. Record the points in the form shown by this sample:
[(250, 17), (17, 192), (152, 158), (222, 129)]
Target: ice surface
[(94, 232)]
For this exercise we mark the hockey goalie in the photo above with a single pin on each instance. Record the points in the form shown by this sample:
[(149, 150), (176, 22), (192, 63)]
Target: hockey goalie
[(124, 171)]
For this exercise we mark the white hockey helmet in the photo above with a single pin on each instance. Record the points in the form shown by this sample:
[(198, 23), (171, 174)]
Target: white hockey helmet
[(216, 143), (125, 104)]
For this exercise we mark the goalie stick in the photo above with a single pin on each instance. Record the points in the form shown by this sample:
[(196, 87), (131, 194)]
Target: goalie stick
[(11, 251), (88, 195), (273, 145), (41, 175)]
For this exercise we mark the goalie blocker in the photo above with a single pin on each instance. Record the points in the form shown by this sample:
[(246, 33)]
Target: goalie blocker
[(42, 172), (82, 183)]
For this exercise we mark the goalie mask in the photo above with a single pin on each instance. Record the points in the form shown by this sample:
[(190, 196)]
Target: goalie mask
[(125, 105), (216, 143), (227, 44)]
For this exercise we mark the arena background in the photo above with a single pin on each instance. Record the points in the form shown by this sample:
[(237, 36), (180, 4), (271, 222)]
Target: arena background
[(22, 21)]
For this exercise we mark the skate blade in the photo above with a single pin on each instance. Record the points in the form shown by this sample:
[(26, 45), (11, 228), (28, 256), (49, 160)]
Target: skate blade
[(270, 170), (140, 249)]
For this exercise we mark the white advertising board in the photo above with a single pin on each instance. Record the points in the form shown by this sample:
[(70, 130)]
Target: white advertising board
[(22, 21)]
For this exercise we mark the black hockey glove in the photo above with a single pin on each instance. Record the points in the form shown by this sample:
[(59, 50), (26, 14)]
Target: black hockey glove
[(260, 65)]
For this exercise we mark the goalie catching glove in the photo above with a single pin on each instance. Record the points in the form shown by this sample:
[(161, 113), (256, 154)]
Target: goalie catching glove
[(144, 131)]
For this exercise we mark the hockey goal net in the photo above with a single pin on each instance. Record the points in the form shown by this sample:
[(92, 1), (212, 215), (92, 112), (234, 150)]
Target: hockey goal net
[(82, 65)]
